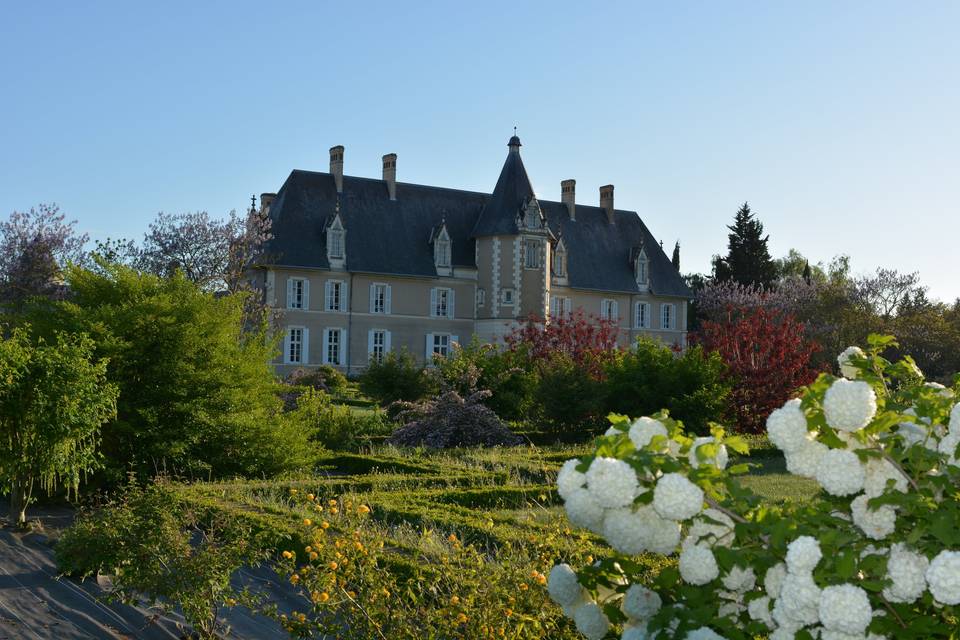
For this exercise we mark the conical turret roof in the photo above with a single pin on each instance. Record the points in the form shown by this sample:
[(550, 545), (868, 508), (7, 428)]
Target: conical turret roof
[(510, 196)]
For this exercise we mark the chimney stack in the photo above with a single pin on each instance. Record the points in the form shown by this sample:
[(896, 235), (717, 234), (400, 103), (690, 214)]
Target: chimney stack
[(606, 201), (390, 174), (266, 199), (336, 166), (568, 195)]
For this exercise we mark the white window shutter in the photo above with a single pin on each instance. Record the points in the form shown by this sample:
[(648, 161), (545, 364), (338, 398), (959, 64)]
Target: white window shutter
[(344, 299), (616, 311), (289, 293), (306, 293), (305, 347), (326, 295), (428, 354), (567, 304), (386, 342), (450, 303), (433, 302), (387, 304), (326, 341), (373, 293), (344, 345), (286, 346), (370, 342)]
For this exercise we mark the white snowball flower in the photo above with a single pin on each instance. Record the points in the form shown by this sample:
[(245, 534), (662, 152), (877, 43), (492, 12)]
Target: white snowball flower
[(875, 523), (591, 621), (623, 530), (849, 406), (569, 479), (730, 609), (562, 585), (719, 460), (740, 579), (803, 554), (584, 511), (759, 610), (614, 430), (804, 461), (955, 419), (798, 602), (787, 427), (913, 433), (829, 634), (662, 535), (570, 609), (703, 530), (635, 632), (784, 633), (640, 603), (943, 577), (944, 392), (847, 370), (704, 633), (877, 472), (948, 446), (698, 566), (643, 429), (845, 608), (773, 579), (840, 472), (907, 570), (612, 482), (676, 498)]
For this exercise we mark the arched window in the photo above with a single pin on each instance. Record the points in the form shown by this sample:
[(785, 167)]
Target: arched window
[(642, 268), (441, 252), (560, 261)]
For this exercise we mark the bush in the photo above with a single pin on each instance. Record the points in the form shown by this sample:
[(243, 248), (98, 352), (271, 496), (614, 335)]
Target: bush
[(568, 394), (451, 420), (335, 426), (397, 378), (651, 376), (323, 378), (155, 548)]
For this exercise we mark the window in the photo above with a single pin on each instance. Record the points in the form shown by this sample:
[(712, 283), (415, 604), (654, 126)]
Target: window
[(609, 310), (560, 263), (334, 295), (668, 316), (379, 298), (531, 250), (336, 243), (296, 293), (295, 343), (506, 296), (560, 307), (481, 297), (441, 252), (378, 344), (439, 344), (642, 316), (641, 268), (441, 302), (332, 346)]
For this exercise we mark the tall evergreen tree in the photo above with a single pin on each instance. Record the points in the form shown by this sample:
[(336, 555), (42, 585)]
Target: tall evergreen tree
[(748, 259), (676, 256)]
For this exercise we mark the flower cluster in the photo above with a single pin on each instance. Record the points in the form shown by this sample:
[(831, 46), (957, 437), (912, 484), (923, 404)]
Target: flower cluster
[(874, 553)]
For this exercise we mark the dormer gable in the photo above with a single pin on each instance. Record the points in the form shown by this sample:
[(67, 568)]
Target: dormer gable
[(641, 267), (442, 249), (559, 266), (336, 236)]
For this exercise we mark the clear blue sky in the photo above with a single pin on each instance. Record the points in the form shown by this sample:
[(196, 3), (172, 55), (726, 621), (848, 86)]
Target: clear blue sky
[(838, 121)]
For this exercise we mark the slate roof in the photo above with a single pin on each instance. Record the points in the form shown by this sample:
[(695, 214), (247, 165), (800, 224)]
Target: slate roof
[(393, 236)]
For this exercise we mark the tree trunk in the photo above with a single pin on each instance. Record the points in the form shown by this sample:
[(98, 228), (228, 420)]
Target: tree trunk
[(20, 490)]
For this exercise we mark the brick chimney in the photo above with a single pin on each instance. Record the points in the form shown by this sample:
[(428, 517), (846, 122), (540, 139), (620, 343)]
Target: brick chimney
[(606, 201), (390, 174), (568, 195), (336, 166), (266, 199)]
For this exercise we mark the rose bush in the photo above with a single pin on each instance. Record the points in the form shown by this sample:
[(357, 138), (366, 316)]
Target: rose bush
[(875, 555)]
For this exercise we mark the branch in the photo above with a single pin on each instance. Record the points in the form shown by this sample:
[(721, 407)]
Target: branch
[(893, 611), (913, 483), (733, 516)]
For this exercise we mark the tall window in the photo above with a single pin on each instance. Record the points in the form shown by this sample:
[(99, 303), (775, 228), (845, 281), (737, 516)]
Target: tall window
[(334, 295), (378, 345), (296, 293), (333, 346), (560, 263), (609, 310), (441, 302), (641, 268), (668, 315), (441, 252), (441, 344), (481, 297), (335, 237), (642, 316), (560, 307), (295, 345), (506, 296), (379, 298), (531, 250)]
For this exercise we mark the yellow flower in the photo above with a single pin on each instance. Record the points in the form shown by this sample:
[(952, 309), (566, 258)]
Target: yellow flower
[(332, 502), (454, 600), (293, 491), (462, 618), (308, 549), (333, 566), (334, 510), (314, 555), (324, 596), (508, 612), (324, 525), (451, 538), (288, 555), (310, 497), (301, 617), (523, 586), (352, 594), (294, 579), (358, 546), (364, 509), (385, 592), (231, 602), (307, 521)]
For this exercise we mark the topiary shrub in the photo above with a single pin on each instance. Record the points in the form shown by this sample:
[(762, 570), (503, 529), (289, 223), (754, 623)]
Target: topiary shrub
[(397, 378), (451, 420)]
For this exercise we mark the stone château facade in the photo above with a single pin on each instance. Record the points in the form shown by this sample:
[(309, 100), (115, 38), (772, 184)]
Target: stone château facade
[(360, 267)]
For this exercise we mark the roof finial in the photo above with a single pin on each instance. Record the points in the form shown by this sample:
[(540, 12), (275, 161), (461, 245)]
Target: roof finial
[(514, 129), (253, 202)]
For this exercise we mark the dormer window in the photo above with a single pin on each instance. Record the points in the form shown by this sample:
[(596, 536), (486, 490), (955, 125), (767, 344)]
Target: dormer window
[(641, 268), (531, 215), (336, 241), (442, 250), (336, 244), (560, 260)]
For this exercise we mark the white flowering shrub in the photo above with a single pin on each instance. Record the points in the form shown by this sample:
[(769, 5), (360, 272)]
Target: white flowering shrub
[(875, 554)]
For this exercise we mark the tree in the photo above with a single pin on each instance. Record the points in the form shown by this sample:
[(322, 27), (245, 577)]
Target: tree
[(34, 249), (53, 400), (768, 358), (676, 256), (884, 292), (197, 392), (585, 339), (748, 259)]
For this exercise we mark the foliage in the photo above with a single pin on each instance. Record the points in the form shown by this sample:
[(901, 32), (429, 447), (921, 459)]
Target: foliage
[(767, 357), (818, 568), (569, 397), (586, 339), (35, 247), (451, 420), (397, 377), (197, 392), (748, 259), (323, 378), (156, 548), (54, 397), (693, 384), (336, 426), (675, 260)]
